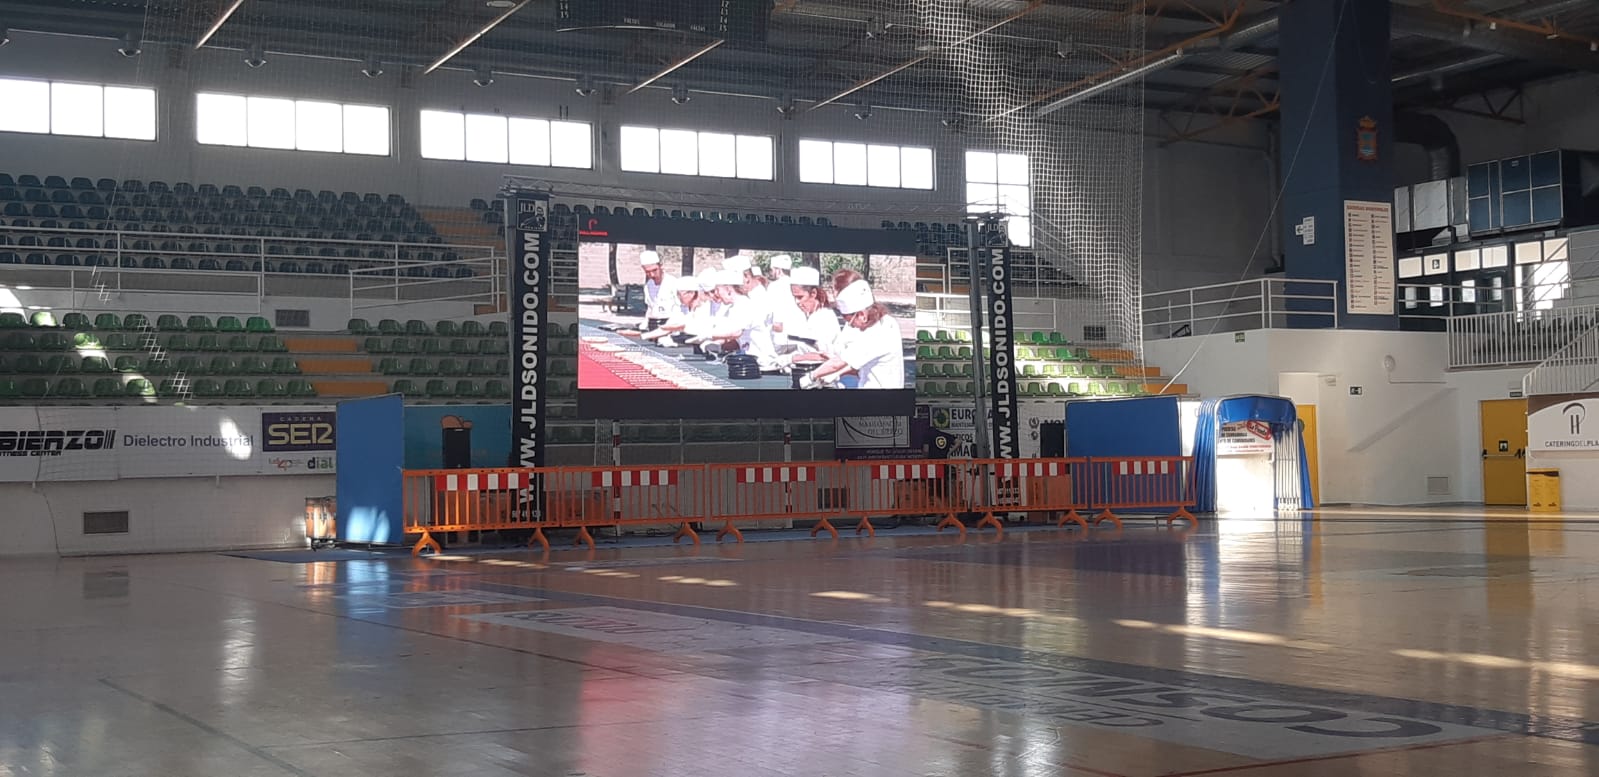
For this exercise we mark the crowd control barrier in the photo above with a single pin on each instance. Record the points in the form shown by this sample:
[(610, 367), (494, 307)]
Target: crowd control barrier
[(826, 492)]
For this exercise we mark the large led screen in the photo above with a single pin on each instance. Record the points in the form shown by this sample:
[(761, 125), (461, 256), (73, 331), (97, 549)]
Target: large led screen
[(743, 332)]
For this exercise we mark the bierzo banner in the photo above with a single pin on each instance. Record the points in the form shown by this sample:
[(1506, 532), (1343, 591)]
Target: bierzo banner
[(111, 443)]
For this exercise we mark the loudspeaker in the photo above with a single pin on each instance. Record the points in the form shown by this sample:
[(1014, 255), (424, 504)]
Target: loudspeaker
[(457, 448), (1052, 439)]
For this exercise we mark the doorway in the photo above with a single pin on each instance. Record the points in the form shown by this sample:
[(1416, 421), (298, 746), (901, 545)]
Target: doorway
[(1504, 452), (1307, 434)]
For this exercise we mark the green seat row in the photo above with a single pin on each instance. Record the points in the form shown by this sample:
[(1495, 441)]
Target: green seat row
[(134, 322), (432, 345), (446, 367), (130, 341), (110, 388), (943, 336), (438, 388), (419, 328), (64, 364)]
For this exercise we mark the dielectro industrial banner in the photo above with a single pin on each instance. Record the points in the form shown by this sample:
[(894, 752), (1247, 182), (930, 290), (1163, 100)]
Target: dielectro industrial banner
[(110, 443), (530, 317), (1002, 387)]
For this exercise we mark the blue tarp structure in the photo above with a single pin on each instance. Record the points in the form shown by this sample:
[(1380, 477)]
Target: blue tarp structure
[(1276, 411), (371, 450), (1146, 426)]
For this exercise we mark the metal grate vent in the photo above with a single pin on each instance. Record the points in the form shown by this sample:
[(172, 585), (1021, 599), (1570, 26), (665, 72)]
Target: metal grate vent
[(106, 522), (1437, 485), (289, 317)]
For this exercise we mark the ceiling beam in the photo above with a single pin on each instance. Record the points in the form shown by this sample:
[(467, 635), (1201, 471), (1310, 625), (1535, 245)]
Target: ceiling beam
[(221, 19), (1509, 42), (702, 51), (471, 39)]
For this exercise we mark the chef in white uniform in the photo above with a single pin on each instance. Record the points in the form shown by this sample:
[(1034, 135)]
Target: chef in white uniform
[(778, 284), (740, 323), (809, 322), (658, 295), (752, 283), (692, 310), (874, 352)]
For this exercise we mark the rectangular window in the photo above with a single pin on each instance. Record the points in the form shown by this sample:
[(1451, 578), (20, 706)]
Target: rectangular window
[(1001, 182), (496, 139), (860, 164), (83, 110), (300, 125), (688, 152)]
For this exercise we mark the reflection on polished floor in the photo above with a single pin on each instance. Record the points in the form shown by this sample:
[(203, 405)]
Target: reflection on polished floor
[(1353, 644)]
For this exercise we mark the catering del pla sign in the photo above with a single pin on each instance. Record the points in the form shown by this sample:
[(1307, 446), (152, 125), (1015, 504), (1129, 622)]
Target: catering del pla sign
[(1563, 423), (110, 443)]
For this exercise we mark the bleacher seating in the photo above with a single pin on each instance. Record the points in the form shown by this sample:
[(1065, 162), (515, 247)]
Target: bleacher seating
[(1048, 367)]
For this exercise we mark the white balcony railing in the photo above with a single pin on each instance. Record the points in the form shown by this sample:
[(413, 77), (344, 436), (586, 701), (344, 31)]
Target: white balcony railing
[(1266, 303), (1571, 369), (1517, 337)]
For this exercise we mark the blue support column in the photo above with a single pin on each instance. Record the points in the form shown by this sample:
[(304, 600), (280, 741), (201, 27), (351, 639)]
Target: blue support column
[(1337, 136)]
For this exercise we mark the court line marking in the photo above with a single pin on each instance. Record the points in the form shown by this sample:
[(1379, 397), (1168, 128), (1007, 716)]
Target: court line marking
[(207, 728), (1543, 726), (1338, 756)]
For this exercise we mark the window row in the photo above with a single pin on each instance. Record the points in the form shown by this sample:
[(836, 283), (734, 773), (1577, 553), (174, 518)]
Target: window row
[(688, 152), (480, 137), (84, 110), (300, 125), (865, 164)]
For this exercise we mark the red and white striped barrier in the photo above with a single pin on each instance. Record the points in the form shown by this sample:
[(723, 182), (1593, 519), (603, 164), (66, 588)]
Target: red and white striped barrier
[(907, 471), (1144, 466), (627, 478), (484, 481), (780, 474)]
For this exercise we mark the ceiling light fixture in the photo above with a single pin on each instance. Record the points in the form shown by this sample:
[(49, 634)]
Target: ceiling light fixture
[(500, 3), (255, 56), (372, 68), (863, 111), (680, 94), (131, 46), (584, 86), (483, 77)]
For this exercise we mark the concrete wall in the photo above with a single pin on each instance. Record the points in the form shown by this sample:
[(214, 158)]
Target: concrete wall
[(1408, 426)]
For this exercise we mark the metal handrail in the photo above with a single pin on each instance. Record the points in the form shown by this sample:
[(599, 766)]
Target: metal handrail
[(1516, 337), (1571, 369), (1263, 303)]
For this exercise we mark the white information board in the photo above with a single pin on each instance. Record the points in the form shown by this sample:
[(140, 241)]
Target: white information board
[(1368, 258)]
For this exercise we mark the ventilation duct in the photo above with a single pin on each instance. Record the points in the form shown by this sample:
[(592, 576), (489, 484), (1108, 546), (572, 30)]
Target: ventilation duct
[(1435, 137)]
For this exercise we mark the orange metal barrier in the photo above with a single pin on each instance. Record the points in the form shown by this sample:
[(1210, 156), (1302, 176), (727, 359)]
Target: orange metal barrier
[(614, 496), (587, 497), (1143, 483), (446, 500), (774, 492), (890, 488)]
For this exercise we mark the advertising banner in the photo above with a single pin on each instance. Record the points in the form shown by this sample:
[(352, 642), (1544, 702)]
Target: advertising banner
[(1002, 388), (530, 317), (1560, 423), (109, 443), (891, 438), (1244, 438)]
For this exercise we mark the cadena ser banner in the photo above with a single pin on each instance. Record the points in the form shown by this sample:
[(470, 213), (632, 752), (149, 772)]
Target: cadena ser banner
[(110, 443)]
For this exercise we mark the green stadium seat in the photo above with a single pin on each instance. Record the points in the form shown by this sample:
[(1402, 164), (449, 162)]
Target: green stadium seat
[(1096, 389), (407, 387), (10, 389), (74, 321), (107, 388), (12, 321), (451, 368), (488, 347), (447, 329), (499, 329), (562, 347), (1056, 339), (258, 325), (20, 341), (1029, 370), (53, 341), (389, 365), (301, 388), (477, 367), (924, 336), (69, 388), (359, 326), (1053, 389), (418, 328), (179, 342), (285, 365), (190, 366), (402, 345), (433, 346), (468, 389), (925, 353), (238, 388), (28, 364), (562, 367), (158, 367), (139, 387), (209, 343), (270, 387), (271, 344), (229, 324), (119, 341), (172, 388), (389, 326), (206, 388), (239, 344), (942, 336), (128, 364), (165, 323), (439, 388), (42, 319), (1038, 338), (61, 364), (35, 388), (134, 322), (94, 364), (87, 341), (945, 353), (375, 345), (421, 366), (201, 324), (462, 347), (925, 370), (472, 329), (223, 365), (502, 366), (5, 365), (254, 365), (496, 389)]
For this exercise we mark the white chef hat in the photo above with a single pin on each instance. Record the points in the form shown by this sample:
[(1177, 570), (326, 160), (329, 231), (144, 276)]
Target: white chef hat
[(649, 258), (782, 262), (738, 264), (706, 280), (855, 298), (806, 276), (729, 277)]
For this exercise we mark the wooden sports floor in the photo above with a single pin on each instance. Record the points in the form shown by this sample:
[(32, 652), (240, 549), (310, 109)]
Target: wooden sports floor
[(1356, 643)]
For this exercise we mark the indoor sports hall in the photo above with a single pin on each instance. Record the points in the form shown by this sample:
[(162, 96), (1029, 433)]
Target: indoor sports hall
[(916, 388)]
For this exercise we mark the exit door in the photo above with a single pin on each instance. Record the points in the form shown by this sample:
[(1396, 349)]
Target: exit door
[(1504, 452)]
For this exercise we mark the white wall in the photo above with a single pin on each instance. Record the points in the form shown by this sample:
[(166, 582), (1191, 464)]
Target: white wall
[(1379, 447), (1205, 203), (166, 514)]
